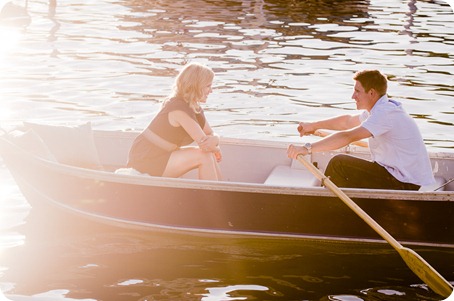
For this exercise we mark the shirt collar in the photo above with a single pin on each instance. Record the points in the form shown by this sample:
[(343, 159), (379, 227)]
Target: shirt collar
[(381, 100)]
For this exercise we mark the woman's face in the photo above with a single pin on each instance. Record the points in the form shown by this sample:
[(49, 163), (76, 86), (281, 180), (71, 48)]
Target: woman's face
[(206, 90)]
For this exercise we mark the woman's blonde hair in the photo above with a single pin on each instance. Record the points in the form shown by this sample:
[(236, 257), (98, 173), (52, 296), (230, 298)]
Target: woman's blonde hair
[(190, 82)]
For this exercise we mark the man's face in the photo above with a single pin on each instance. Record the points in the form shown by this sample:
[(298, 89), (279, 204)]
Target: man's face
[(362, 98)]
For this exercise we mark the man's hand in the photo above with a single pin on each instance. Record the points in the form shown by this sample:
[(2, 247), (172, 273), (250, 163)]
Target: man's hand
[(293, 151), (306, 128)]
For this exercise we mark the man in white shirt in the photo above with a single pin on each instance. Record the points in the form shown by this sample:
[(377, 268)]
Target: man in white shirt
[(399, 156)]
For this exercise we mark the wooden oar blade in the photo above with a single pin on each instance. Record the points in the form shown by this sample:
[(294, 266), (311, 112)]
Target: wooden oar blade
[(426, 272)]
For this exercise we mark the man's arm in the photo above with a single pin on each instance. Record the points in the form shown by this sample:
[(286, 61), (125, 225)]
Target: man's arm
[(331, 142), (341, 139), (339, 123)]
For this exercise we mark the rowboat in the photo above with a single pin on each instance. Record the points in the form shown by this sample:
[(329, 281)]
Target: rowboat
[(263, 193)]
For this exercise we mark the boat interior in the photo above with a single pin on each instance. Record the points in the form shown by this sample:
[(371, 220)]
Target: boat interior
[(266, 162)]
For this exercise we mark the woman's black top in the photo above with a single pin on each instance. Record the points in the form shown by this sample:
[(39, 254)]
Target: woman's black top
[(147, 157)]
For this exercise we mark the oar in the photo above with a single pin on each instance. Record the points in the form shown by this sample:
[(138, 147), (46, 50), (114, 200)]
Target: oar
[(415, 262)]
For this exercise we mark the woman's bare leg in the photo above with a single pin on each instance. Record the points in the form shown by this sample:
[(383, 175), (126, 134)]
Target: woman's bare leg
[(218, 170), (183, 160)]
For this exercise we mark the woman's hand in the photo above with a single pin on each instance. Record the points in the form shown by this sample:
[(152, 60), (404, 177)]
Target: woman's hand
[(209, 143), (218, 155)]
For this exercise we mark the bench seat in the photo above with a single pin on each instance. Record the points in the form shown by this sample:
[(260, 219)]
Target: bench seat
[(283, 175)]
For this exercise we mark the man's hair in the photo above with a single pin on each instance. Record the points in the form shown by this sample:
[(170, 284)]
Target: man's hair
[(372, 79)]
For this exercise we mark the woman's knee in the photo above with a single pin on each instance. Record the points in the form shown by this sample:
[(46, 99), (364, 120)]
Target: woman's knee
[(206, 158)]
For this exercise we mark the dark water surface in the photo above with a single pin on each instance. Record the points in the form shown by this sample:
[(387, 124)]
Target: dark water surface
[(277, 62)]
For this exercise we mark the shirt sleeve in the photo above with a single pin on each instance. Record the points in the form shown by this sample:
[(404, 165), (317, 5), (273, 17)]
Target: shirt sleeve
[(377, 124)]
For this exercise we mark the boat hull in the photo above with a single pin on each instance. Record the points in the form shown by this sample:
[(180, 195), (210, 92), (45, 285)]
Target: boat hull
[(231, 208)]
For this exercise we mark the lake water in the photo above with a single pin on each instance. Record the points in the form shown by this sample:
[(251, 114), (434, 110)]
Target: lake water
[(277, 62)]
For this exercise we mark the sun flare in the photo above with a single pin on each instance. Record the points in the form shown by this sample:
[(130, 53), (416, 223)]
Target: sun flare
[(5, 114), (10, 38)]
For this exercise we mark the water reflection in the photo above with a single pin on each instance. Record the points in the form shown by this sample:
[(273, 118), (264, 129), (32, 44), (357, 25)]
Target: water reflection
[(85, 260), (299, 53), (52, 16), (224, 293), (238, 33)]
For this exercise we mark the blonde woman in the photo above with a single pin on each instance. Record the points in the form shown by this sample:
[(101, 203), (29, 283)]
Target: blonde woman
[(163, 148)]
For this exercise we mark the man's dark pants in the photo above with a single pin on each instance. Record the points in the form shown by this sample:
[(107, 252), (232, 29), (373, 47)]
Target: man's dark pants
[(353, 172)]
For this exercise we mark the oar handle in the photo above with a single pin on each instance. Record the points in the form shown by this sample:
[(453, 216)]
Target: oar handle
[(320, 133)]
